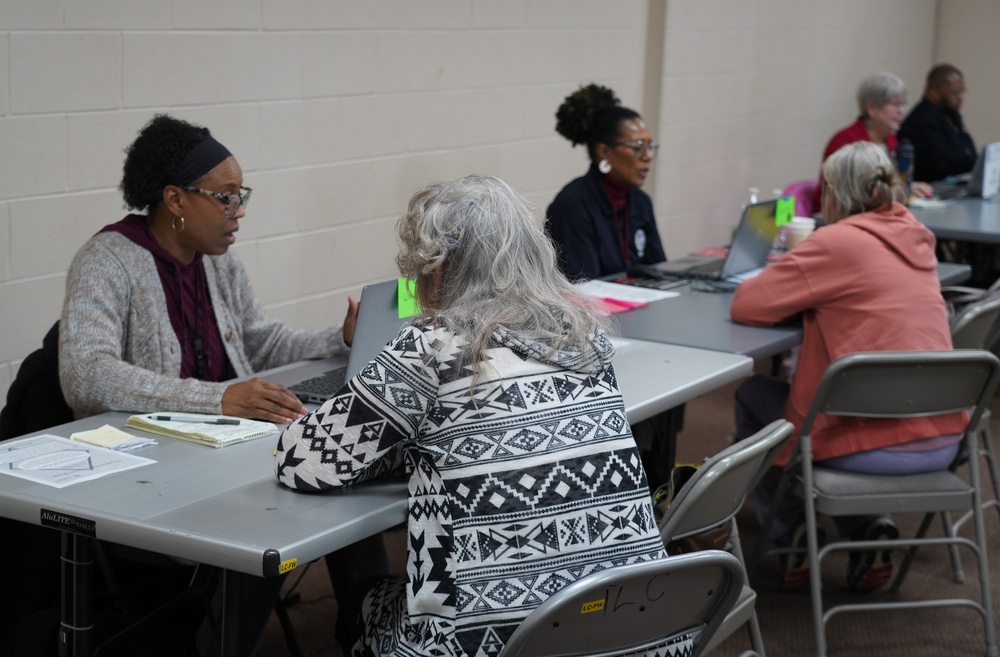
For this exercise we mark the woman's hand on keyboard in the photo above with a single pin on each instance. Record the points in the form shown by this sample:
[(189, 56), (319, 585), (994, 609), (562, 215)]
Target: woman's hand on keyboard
[(262, 400)]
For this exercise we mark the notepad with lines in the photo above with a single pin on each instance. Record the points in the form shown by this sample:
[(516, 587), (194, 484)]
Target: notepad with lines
[(202, 429)]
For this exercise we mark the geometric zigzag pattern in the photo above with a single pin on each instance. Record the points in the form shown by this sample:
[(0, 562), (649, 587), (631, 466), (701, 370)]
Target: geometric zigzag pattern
[(518, 484)]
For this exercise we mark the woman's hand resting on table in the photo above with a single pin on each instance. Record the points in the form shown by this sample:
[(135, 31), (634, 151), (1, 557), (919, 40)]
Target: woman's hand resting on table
[(922, 190), (262, 400)]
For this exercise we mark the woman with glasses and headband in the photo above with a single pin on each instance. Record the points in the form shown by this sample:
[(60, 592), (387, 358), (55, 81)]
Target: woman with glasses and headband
[(602, 222), (159, 315)]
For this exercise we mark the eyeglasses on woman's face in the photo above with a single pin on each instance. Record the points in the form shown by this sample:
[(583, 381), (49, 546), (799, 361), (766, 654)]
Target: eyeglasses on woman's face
[(233, 202), (641, 147)]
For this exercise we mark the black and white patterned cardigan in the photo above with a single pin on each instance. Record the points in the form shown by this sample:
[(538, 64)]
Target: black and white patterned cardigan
[(518, 486)]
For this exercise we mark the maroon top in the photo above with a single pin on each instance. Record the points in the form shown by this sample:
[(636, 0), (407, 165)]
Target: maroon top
[(189, 305), (618, 195)]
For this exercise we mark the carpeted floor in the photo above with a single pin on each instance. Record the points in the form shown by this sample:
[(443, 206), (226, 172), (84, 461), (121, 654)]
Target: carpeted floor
[(785, 619)]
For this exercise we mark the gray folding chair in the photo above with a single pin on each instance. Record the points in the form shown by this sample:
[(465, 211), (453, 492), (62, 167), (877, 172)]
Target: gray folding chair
[(668, 607), (897, 385), (712, 498), (977, 326)]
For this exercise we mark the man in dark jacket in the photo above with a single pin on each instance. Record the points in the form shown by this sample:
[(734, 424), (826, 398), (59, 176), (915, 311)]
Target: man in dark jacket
[(941, 145)]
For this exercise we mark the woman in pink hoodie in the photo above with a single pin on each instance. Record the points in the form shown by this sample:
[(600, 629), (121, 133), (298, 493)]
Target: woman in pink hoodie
[(865, 282)]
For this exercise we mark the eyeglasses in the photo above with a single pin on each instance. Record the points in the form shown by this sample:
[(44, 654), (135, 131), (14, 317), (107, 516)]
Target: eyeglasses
[(640, 147), (233, 202)]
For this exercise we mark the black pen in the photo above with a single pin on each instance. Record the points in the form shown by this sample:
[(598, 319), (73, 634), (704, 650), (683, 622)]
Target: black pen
[(219, 420)]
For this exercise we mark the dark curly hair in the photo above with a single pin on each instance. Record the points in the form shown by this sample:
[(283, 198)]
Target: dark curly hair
[(153, 158), (592, 115)]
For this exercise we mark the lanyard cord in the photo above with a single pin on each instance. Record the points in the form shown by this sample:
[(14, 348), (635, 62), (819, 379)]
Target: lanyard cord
[(193, 333), (622, 233), (199, 349)]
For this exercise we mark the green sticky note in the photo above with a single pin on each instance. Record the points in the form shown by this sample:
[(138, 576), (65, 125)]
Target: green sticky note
[(784, 210), (406, 299)]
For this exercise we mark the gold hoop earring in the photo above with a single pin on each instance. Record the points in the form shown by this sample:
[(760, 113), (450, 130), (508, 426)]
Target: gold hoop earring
[(173, 224)]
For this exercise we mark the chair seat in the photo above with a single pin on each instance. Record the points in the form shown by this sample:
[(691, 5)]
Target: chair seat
[(852, 493)]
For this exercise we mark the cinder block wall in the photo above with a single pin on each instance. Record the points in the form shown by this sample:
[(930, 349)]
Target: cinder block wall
[(338, 110)]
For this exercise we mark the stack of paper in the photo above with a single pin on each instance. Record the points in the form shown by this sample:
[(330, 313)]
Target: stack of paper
[(112, 438), (212, 430)]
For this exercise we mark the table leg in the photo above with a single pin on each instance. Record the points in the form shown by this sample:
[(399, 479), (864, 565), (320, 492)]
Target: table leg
[(77, 569), (232, 595), (658, 435)]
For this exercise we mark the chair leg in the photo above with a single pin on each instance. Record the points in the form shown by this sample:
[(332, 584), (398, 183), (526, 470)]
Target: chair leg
[(950, 530), (904, 567), (756, 639), (989, 627), (812, 544), (753, 626)]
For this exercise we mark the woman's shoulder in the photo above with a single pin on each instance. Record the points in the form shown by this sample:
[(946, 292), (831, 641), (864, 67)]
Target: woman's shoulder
[(427, 337), (846, 135), (574, 190), (107, 249)]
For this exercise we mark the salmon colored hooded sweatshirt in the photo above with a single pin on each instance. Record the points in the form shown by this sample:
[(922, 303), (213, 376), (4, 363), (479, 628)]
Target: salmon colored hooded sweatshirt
[(865, 283)]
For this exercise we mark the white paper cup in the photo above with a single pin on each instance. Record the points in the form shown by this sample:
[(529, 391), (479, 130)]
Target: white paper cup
[(798, 229)]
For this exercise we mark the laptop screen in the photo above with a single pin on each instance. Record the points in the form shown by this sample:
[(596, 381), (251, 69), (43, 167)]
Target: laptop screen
[(753, 239), (985, 181), (378, 323)]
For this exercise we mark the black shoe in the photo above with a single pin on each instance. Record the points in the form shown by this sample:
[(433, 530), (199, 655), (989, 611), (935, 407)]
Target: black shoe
[(871, 569)]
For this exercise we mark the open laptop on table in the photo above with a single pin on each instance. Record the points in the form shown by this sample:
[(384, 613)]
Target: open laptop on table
[(746, 255), (378, 323), (982, 182)]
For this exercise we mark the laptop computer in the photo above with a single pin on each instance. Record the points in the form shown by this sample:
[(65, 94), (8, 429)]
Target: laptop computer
[(378, 323), (985, 181), (982, 182), (748, 252)]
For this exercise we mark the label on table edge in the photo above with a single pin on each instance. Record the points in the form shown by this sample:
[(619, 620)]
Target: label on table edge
[(66, 522), (287, 566)]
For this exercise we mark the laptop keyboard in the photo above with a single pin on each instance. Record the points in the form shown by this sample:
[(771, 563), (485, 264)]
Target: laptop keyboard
[(320, 388)]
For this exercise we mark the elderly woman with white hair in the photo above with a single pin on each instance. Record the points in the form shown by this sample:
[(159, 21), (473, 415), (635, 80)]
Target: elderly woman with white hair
[(865, 282), (881, 107), (501, 402), (881, 99)]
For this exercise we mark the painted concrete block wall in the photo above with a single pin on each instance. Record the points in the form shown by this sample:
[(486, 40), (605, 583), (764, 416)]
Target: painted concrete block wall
[(968, 36), (753, 89), (337, 111)]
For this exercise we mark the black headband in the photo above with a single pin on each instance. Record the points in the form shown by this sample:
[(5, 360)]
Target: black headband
[(200, 160)]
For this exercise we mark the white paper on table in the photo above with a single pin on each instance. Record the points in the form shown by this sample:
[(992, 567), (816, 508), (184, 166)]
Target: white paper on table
[(928, 203), (606, 290), (58, 462)]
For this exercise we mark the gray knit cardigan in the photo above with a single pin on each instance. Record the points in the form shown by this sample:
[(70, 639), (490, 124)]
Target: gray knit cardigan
[(118, 350)]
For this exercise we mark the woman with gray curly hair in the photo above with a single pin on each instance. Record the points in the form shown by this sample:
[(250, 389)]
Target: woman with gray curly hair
[(865, 282), (501, 402)]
